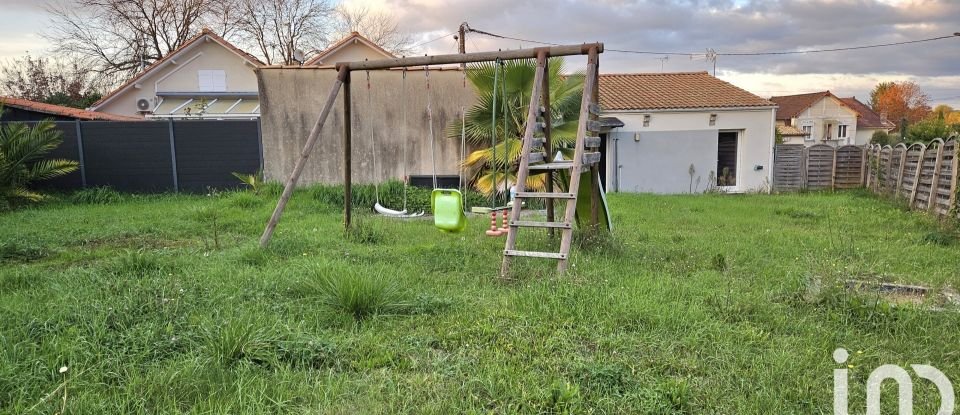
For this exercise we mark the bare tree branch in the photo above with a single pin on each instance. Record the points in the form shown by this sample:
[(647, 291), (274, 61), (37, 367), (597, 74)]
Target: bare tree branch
[(380, 28)]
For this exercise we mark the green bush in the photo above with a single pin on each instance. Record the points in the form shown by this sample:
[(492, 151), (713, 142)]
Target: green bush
[(101, 195)]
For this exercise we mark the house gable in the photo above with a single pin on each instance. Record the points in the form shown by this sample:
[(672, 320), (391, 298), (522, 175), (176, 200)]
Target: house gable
[(354, 47), (181, 73)]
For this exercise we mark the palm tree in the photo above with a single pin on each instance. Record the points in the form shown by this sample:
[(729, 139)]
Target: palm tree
[(514, 84), (22, 152)]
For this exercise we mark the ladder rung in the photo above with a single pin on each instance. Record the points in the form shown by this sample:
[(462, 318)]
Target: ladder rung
[(591, 158), (594, 109), (594, 126), (556, 165), (539, 126), (537, 142), (533, 224), (591, 141), (536, 158), (534, 254), (548, 195)]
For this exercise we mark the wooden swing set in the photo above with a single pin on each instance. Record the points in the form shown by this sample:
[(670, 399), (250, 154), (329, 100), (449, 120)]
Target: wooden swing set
[(535, 156)]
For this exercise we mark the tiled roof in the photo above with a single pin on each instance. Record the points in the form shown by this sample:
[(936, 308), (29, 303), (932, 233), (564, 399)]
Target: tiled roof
[(790, 106), (63, 111), (679, 90), (868, 118), (203, 33), (789, 131), (343, 42)]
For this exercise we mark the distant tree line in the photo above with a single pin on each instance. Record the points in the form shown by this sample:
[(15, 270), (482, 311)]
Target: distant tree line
[(906, 105)]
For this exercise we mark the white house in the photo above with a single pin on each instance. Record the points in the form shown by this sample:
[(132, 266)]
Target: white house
[(205, 78), (685, 133), (824, 118)]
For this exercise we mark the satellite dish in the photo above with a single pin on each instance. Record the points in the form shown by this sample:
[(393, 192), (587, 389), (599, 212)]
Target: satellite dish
[(298, 55)]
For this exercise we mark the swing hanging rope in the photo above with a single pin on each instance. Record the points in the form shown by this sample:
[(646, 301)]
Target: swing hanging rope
[(433, 158)]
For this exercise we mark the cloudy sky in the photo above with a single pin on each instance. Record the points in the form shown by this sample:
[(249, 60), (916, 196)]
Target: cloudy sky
[(686, 26)]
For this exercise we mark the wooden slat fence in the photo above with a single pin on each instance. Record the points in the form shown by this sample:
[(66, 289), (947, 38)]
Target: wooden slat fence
[(788, 169), (923, 176)]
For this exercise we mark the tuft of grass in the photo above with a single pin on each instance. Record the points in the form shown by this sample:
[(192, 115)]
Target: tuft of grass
[(358, 294), (939, 237), (137, 264), (238, 340), (18, 250), (244, 200), (101, 195), (796, 213), (362, 233)]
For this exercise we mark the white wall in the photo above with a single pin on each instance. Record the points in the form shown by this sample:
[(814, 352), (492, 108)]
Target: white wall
[(755, 148)]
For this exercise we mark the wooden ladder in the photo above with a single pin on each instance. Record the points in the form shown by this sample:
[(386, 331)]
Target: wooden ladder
[(536, 158)]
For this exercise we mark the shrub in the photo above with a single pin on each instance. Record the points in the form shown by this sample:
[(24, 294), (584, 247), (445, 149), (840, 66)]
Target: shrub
[(101, 195), (882, 138), (22, 160)]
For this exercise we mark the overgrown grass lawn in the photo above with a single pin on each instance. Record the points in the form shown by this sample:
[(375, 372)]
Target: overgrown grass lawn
[(696, 304)]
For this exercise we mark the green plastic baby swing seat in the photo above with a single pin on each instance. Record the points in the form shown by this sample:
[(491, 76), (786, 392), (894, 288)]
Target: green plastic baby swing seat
[(447, 205)]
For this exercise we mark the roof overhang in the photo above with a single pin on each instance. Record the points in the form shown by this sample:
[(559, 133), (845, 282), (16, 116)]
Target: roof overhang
[(237, 94), (705, 109)]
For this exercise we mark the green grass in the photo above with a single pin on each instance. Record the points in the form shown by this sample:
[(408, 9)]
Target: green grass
[(697, 304)]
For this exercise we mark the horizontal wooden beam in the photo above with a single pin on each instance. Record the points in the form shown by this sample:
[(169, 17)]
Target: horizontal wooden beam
[(564, 50)]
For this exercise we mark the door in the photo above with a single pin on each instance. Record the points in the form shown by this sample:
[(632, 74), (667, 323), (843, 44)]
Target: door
[(727, 151)]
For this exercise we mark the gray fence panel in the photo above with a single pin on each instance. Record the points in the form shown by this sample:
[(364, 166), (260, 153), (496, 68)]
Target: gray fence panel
[(788, 167), (128, 156), (209, 151)]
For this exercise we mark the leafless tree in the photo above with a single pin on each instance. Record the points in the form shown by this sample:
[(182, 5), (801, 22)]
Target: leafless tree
[(381, 28), (117, 37), (279, 28)]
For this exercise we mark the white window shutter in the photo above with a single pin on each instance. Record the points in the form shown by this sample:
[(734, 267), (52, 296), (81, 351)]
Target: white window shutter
[(212, 80)]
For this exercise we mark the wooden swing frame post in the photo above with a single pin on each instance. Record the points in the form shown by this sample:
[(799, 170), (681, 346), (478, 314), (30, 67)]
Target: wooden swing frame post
[(343, 81)]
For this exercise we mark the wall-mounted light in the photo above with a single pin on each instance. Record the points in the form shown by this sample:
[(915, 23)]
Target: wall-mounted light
[(636, 137), (713, 119), (646, 120)]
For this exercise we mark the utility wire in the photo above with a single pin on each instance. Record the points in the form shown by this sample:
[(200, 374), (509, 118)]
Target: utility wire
[(792, 52), (432, 40)]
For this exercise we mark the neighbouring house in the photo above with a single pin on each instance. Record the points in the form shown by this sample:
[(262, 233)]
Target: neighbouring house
[(824, 118), (354, 47), (685, 133), (205, 78), (868, 121), (17, 109)]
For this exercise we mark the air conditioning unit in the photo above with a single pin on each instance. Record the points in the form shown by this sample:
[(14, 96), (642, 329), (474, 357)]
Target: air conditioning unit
[(144, 105)]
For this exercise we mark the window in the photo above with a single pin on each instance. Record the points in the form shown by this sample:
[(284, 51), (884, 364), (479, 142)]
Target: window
[(807, 132), (713, 119), (727, 158), (646, 120), (841, 131), (212, 80)]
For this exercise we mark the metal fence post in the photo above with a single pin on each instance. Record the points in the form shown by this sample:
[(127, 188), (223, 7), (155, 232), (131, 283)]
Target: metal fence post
[(83, 165), (173, 157), (260, 143)]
